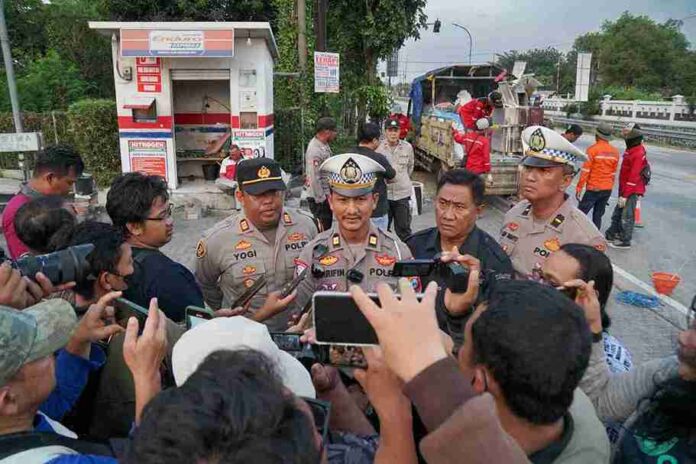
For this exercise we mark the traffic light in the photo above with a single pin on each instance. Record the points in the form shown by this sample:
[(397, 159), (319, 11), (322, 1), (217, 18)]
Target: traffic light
[(436, 26)]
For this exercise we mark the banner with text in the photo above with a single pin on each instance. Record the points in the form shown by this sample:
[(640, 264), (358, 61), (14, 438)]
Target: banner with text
[(326, 72)]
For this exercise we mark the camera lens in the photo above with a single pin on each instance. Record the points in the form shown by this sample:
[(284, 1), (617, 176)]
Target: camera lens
[(60, 267)]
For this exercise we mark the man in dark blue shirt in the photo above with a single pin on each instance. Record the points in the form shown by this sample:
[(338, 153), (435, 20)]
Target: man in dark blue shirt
[(457, 206), (139, 205)]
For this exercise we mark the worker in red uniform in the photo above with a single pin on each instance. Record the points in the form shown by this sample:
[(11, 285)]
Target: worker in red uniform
[(477, 148), (479, 108), (633, 177), (404, 121)]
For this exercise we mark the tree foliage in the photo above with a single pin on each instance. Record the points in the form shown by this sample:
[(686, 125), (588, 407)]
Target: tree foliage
[(190, 10), (542, 62)]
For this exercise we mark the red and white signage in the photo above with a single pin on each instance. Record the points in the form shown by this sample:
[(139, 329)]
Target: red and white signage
[(148, 157), (149, 72)]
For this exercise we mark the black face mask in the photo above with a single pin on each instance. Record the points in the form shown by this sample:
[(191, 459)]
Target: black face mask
[(630, 143)]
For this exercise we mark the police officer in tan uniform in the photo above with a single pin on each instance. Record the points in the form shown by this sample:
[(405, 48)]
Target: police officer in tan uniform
[(318, 151), (265, 239), (547, 217), (399, 153), (353, 251)]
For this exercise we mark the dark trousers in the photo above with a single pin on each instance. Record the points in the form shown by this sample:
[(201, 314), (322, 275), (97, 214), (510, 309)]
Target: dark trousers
[(400, 216), (623, 220), (322, 212), (595, 200)]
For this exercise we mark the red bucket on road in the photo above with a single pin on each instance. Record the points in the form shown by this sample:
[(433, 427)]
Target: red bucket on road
[(664, 282)]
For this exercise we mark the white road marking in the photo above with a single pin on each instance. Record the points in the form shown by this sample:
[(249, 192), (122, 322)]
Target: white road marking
[(664, 298)]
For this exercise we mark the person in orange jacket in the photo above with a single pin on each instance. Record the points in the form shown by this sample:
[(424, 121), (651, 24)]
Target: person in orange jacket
[(479, 108), (477, 148), (597, 175)]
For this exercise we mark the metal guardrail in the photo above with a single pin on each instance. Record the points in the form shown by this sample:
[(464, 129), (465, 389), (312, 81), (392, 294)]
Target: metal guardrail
[(683, 138)]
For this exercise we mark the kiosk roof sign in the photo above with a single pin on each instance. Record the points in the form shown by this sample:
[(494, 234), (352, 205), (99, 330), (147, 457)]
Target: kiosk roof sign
[(177, 43)]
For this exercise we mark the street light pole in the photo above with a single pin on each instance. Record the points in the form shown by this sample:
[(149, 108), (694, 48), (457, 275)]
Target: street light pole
[(471, 41)]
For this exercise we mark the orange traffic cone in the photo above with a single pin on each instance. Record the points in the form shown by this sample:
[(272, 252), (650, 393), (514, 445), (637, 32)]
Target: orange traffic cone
[(639, 220)]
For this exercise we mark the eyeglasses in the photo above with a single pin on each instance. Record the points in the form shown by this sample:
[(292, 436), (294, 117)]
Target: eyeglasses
[(321, 411), (167, 214)]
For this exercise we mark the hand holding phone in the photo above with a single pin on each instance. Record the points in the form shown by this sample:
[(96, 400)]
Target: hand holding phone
[(249, 293), (196, 315), (125, 309)]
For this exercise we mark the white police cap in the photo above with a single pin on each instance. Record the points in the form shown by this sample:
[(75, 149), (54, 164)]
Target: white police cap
[(350, 174), (544, 147)]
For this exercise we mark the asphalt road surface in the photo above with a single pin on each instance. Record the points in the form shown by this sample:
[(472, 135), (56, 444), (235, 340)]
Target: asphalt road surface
[(667, 243)]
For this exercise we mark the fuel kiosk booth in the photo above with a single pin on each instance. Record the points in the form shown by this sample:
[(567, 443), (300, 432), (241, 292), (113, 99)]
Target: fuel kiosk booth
[(185, 91)]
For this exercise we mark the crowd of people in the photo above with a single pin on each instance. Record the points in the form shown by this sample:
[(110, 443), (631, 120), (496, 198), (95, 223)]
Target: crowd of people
[(515, 365)]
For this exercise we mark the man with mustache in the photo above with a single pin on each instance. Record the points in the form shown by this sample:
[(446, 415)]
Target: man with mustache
[(264, 239), (354, 251), (547, 217)]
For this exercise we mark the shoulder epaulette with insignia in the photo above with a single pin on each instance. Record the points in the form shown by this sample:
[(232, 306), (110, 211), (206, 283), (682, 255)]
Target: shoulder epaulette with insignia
[(336, 240), (527, 210), (372, 241), (243, 225), (286, 218), (558, 220)]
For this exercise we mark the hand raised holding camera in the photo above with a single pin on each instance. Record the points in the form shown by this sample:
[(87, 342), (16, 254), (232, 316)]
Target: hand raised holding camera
[(96, 324), (407, 329), (459, 303), (144, 355)]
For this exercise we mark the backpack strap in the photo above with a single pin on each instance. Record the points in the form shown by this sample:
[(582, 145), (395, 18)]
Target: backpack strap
[(16, 443)]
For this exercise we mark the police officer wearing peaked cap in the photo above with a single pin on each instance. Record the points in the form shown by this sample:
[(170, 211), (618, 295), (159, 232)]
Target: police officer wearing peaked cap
[(547, 217), (264, 239), (354, 251)]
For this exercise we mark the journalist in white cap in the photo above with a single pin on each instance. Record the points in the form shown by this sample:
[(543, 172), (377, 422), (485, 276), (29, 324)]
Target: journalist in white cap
[(236, 333), (547, 217)]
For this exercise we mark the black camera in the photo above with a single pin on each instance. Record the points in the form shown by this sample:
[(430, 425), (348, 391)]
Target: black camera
[(307, 354), (454, 275), (68, 265)]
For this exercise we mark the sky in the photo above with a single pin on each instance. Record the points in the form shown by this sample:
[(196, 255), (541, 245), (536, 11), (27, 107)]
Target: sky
[(501, 25)]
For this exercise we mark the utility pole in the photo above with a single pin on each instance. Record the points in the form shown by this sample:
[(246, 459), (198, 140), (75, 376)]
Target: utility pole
[(302, 34), (320, 25), (9, 70), (12, 86), (471, 41)]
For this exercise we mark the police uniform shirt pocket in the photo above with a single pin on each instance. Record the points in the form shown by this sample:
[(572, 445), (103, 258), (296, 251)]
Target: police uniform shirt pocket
[(245, 273)]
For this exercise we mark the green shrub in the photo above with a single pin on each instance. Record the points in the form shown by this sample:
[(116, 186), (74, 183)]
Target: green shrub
[(94, 130), (53, 126)]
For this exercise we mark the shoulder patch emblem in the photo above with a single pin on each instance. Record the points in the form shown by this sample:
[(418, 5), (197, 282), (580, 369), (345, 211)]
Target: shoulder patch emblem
[(296, 237), (329, 260), (300, 266), (553, 244), (200, 249), (243, 225), (385, 259), (242, 245), (248, 270)]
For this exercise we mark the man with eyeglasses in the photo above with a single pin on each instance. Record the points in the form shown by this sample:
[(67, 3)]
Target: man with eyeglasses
[(264, 240), (458, 203), (547, 217), (139, 206)]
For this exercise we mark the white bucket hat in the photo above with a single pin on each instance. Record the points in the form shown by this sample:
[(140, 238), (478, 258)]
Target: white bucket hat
[(235, 333)]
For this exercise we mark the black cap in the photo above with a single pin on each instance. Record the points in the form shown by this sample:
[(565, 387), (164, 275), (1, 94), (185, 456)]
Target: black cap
[(392, 124), (574, 129), (326, 123), (258, 175)]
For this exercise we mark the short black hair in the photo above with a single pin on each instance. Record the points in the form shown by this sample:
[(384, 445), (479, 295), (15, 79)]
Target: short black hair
[(466, 178), (574, 129), (594, 265), (535, 342), (233, 409), (325, 123), (131, 197), (368, 131), (107, 241), (40, 220), (59, 159)]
